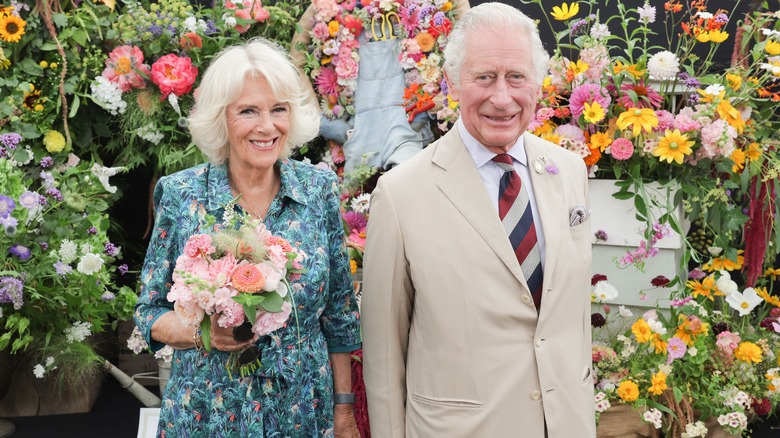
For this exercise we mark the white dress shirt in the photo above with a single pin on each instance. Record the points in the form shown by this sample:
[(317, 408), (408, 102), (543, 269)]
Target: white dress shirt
[(491, 175)]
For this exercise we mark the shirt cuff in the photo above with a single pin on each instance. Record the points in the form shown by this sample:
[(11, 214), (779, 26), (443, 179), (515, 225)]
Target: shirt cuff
[(344, 349)]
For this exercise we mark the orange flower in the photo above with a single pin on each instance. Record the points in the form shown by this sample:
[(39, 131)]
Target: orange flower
[(721, 263), (658, 384), (600, 140), (628, 391), (770, 299), (426, 41), (247, 278), (594, 157), (641, 329), (706, 288)]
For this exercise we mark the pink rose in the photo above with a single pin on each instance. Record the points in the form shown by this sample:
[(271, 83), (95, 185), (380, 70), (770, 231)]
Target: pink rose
[(174, 74), (189, 312), (268, 322), (347, 68)]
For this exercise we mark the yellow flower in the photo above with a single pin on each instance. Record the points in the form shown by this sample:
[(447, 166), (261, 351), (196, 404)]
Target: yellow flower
[(632, 69), (772, 47), (352, 266), (754, 151), (11, 28), (738, 157), (659, 344), (593, 113), (705, 288), (38, 107), (772, 272), (764, 294), (731, 115), (600, 140), (54, 141), (552, 137), (4, 62), (446, 6), (658, 383), (722, 263), (333, 28), (712, 36), (628, 391), (748, 352), (689, 328), (578, 68), (53, 65), (640, 118), (43, 64), (564, 11), (641, 329), (673, 146), (735, 82)]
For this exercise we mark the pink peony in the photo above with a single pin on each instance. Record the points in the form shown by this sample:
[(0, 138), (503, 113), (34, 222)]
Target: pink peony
[(272, 276), (199, 245), (220, 269), (268, 322), (347, 68), (621, 149), (277, 255), (189, 313), (320, 31), (125, 66), (174, 74)]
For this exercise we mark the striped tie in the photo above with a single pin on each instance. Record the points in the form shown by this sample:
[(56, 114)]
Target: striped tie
[(514, 210)]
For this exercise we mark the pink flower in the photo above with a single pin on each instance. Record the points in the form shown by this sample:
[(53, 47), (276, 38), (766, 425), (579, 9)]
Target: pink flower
[(272, 276), (571, 131), (243, 14), (357, 238), (199, 245), (247, 278), (277, 256), (665, 121), (347, 68), (268, 322), (125, 66), (231, 315), (320, 31), (647, 96), (327, 82), (189, 312), (622, 149), (727, 342), (676, 348), (597, 58), (686, 120), (220, 269), (174, 74), (587, 93)]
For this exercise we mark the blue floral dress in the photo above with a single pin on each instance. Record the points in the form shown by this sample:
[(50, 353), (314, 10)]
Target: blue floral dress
[(292, 392)]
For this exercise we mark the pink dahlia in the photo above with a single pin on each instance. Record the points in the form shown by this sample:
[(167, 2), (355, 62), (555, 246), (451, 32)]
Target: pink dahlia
[(587, 93), (125, 66), (174, 74), (327, 82), (622, 149), (646, 96)]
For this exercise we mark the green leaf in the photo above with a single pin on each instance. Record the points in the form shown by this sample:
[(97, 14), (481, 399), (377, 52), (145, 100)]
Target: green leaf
[(273, 302), (678, 395), (623, 195), (81, 37), (205, 332), (61, 20), (74, 107)]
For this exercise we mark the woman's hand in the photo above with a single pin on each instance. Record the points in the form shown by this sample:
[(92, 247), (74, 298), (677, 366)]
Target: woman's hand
[(344, 425), (222, 338)]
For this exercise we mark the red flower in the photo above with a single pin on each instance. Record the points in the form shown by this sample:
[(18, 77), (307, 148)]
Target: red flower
[(174, 74), (190, 40), (659, 281), (354, 24), (761, 406), (596, 278)]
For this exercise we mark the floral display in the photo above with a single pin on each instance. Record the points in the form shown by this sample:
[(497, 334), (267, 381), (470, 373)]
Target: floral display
[(339, 27), (58, 278), (642, 112), (240, 272)]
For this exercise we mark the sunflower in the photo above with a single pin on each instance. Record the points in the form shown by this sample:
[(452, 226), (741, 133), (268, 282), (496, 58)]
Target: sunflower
[(673, 146), (32, 98), (11, 28)]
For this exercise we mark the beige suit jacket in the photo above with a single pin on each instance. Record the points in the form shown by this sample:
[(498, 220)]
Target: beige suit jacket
[(452, 343)]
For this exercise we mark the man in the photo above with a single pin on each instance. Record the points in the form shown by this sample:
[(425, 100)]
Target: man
[(471, 330)]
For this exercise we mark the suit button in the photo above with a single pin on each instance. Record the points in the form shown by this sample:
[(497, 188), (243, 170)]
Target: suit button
[(536, 395), (525, 299), (538, 342)]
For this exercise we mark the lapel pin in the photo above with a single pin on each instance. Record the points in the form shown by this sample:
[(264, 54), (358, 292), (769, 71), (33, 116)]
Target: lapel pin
[(538, 166)]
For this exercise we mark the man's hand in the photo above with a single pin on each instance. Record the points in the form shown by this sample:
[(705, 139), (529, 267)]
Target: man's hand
[(344, 425)]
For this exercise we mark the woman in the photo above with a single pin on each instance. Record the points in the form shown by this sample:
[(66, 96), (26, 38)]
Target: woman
[(251, 109)]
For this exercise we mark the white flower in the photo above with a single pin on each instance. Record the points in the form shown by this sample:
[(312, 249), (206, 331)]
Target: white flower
[(665, 368), (605, 291), (697, 429), (191, 23), (136, 342), (714, 89), (663, 65), (108, 95), (103, 173), (646, 13), (90, 264), (654, 417), (39, 371), (656, 326), (692, 351), (68, 251), (769, 32), (714, 250), (49, 361), (625, 312), (230, 22), (704, 15), (78, 331), (599, 31), (165, 353), (150, 133), (744, 302), (361, 203), (725, 284)]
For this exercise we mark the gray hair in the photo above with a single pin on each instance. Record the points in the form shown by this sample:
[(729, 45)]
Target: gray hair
[(223, 82), (496, 16)]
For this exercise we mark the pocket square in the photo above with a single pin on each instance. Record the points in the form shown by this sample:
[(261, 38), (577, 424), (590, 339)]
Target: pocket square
[(578, 215)]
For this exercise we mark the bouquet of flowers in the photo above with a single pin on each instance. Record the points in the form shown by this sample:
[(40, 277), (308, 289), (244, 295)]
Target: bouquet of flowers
[(242, 273)]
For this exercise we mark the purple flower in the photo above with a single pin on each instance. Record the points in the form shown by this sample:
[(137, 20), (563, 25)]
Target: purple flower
[(601, 235), (107, 296), (122, 269), (9, 223), (688, 80), (696, 274), (47, 162), (156, 30), (48, 179), (12, 291), (54, 193), (20, 251), (355, 220), (676, 348), (28, 200), (62, 268), (6, 206), (10, 140), (42, 200), (550, 168), (597, 320), (211, 27), (111, 249), (438, 18), (680, 303), (721, 18), (92, 231), (44, 246), (578, 28)]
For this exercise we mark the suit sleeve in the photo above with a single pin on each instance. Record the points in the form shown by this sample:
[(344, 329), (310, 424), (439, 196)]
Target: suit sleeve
[(386, 310)]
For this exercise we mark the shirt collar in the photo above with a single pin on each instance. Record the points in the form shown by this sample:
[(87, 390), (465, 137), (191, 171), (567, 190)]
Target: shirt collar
[(481, 155), (219, 194)]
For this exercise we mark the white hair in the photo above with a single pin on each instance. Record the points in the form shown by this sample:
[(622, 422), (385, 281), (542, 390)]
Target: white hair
[(492, 16), (222, 85)]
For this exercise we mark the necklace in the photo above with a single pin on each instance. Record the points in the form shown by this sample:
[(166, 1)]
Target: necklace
[(262, 208)]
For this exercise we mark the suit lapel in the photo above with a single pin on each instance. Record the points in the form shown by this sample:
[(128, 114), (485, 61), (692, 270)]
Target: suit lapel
[(463, 186), (548, 191)]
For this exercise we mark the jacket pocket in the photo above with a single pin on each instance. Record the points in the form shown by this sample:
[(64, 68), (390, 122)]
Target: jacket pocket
[(587, 377), (448, 402)]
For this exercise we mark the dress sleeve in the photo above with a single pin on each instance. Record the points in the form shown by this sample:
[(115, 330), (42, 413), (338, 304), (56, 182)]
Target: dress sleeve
[(340, 320), (159, 263)]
